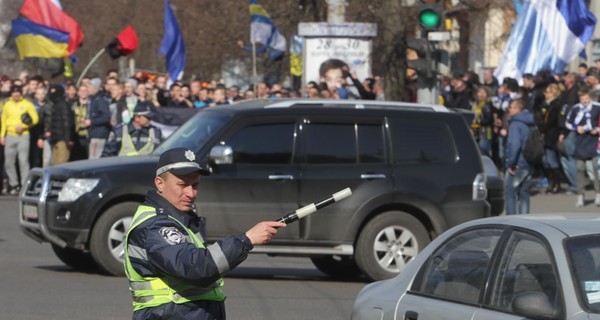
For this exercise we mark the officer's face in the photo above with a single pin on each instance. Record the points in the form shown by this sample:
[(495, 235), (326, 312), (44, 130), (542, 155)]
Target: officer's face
[(180, 191)]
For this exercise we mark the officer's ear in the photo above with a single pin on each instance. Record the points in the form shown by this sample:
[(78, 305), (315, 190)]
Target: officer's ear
[(159, 182)]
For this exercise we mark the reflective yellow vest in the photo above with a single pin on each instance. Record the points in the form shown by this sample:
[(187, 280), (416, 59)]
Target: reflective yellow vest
[(154, 291), (128, 147)]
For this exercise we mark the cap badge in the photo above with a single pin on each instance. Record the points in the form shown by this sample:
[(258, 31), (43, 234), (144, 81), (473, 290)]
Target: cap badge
[(190, 155)]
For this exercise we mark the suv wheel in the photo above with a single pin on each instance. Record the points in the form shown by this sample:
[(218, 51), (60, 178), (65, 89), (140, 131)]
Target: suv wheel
[(108, 237), (75, 259), (337, 266), (388, 242)]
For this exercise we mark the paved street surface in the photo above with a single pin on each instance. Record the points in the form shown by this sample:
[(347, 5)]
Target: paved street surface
[(561, 203), (38, 286)]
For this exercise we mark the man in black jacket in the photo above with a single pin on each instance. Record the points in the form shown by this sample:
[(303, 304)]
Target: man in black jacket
[(59, 125)]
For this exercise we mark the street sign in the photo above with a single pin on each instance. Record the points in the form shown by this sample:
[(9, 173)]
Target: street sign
[(438, 35)]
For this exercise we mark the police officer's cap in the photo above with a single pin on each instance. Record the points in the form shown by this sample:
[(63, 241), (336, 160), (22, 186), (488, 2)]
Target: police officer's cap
[(180, 161), (143, 109)]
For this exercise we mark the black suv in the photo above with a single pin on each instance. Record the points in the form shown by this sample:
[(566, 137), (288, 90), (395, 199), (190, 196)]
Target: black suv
[(414, 171)]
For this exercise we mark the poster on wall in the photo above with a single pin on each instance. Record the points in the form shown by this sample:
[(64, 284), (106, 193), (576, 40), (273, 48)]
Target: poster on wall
[(355, 52)]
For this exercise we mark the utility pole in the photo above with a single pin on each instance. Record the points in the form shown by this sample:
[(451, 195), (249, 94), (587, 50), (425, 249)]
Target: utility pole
[(336, 11)]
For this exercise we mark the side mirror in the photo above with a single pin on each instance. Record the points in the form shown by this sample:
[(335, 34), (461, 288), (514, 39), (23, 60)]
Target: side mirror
[(534, 305), (221, 154)]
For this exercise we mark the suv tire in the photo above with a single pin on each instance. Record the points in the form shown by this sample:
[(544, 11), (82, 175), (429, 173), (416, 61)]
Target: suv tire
[(337, 266), (394, 233), (108, 237), (76, 259)]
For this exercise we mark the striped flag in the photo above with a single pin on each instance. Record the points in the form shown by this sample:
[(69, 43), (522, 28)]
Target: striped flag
[(547, 35), (37, 41), (263, 30), (49, 13)]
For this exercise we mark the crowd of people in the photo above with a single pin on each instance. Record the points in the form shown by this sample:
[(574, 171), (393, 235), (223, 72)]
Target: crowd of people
[(46, 124), (565, 110)]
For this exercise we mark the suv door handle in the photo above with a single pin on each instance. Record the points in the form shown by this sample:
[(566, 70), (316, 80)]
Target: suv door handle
[(281, 177), (369, 176)]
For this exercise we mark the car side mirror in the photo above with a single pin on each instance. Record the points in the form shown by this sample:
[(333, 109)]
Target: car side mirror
[(534, 305), (221, 154)]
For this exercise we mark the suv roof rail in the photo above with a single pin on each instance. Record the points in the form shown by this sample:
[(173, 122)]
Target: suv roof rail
[(357, 104)]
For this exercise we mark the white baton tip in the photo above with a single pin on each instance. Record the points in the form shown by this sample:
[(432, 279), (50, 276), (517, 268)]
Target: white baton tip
[(342, 194), (306, 210)]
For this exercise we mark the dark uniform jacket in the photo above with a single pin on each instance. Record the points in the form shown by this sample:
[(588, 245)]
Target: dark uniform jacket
[(138, 136), (183, 261)]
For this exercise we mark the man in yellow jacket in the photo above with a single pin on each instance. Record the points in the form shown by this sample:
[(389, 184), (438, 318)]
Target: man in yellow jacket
[(18, 115)]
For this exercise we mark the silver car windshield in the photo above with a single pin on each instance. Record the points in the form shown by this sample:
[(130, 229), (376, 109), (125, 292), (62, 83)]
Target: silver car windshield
[(584, 256), (194, 133)]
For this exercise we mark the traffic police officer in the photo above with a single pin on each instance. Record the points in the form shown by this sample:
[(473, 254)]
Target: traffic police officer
[(173, 273), (138, 137)]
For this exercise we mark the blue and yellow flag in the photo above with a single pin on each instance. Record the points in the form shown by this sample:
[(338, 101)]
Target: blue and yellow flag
[(37, 41), (263, 30)]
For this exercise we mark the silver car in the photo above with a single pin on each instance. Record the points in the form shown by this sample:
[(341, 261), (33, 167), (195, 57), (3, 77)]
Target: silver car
[(511, 267)]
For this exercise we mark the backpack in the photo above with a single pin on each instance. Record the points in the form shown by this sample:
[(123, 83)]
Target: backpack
[(533, 151)]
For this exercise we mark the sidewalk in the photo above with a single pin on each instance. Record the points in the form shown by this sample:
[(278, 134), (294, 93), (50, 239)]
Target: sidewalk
[(560, 203)]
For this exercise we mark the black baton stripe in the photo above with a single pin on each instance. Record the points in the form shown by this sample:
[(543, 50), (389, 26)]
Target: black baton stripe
[(324, 202)]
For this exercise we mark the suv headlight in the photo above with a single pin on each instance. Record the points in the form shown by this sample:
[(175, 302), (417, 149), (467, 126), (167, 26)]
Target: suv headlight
[(74, 188), (480, 187)]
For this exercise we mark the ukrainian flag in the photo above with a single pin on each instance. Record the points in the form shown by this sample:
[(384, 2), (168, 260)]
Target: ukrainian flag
[(37, 41)]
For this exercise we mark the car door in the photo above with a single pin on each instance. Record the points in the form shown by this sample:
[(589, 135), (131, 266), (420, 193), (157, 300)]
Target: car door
[(451, 284), (526, 267), (338, 153), (260, 184)]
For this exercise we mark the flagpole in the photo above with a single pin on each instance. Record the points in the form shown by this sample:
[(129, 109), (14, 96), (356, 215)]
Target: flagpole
[(89, 65), (254, 68)]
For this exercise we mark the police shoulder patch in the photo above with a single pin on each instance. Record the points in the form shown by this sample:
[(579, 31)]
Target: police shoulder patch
[(171, 235)]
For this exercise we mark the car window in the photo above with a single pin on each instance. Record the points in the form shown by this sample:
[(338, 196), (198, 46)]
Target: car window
[(195, 132), (584, 255), (370, 144), (525, 266), (263, 144), (339, 143), (419, 141), (457, 270)]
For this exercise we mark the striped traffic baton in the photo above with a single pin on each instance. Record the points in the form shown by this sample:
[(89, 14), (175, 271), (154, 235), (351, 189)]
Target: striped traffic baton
[(311, 208)]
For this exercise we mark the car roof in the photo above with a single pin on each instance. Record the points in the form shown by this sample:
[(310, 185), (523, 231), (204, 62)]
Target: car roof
[(255, 104), (571, 224)]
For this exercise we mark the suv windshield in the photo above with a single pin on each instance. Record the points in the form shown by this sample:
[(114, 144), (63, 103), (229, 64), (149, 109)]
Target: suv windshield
[(195, 132), (584, 254)]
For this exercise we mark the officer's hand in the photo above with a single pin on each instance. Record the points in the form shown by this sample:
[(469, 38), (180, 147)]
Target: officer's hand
[(262, 232)]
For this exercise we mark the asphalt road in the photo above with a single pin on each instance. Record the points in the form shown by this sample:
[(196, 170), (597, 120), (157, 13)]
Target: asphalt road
[(36, 285)]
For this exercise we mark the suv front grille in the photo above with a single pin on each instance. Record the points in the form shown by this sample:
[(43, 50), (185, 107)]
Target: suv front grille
[(34, 188)]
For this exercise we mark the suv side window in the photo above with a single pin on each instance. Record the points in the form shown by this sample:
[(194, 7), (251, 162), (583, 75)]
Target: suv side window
[(329, 143), (421, 141), (263, 144)]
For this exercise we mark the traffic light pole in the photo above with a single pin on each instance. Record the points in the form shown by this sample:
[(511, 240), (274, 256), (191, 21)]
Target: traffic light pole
[(427, 88), (427, 91)]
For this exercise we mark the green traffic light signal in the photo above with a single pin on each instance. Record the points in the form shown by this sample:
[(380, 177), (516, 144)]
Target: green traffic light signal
[(430, 15), (429, 19)]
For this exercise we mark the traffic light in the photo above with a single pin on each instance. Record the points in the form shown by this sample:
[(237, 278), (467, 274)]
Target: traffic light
[(431, 15), (421, 57)]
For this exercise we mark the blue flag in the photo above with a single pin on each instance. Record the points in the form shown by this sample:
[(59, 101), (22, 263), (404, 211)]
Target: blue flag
[(547, 35), (172, 45)]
